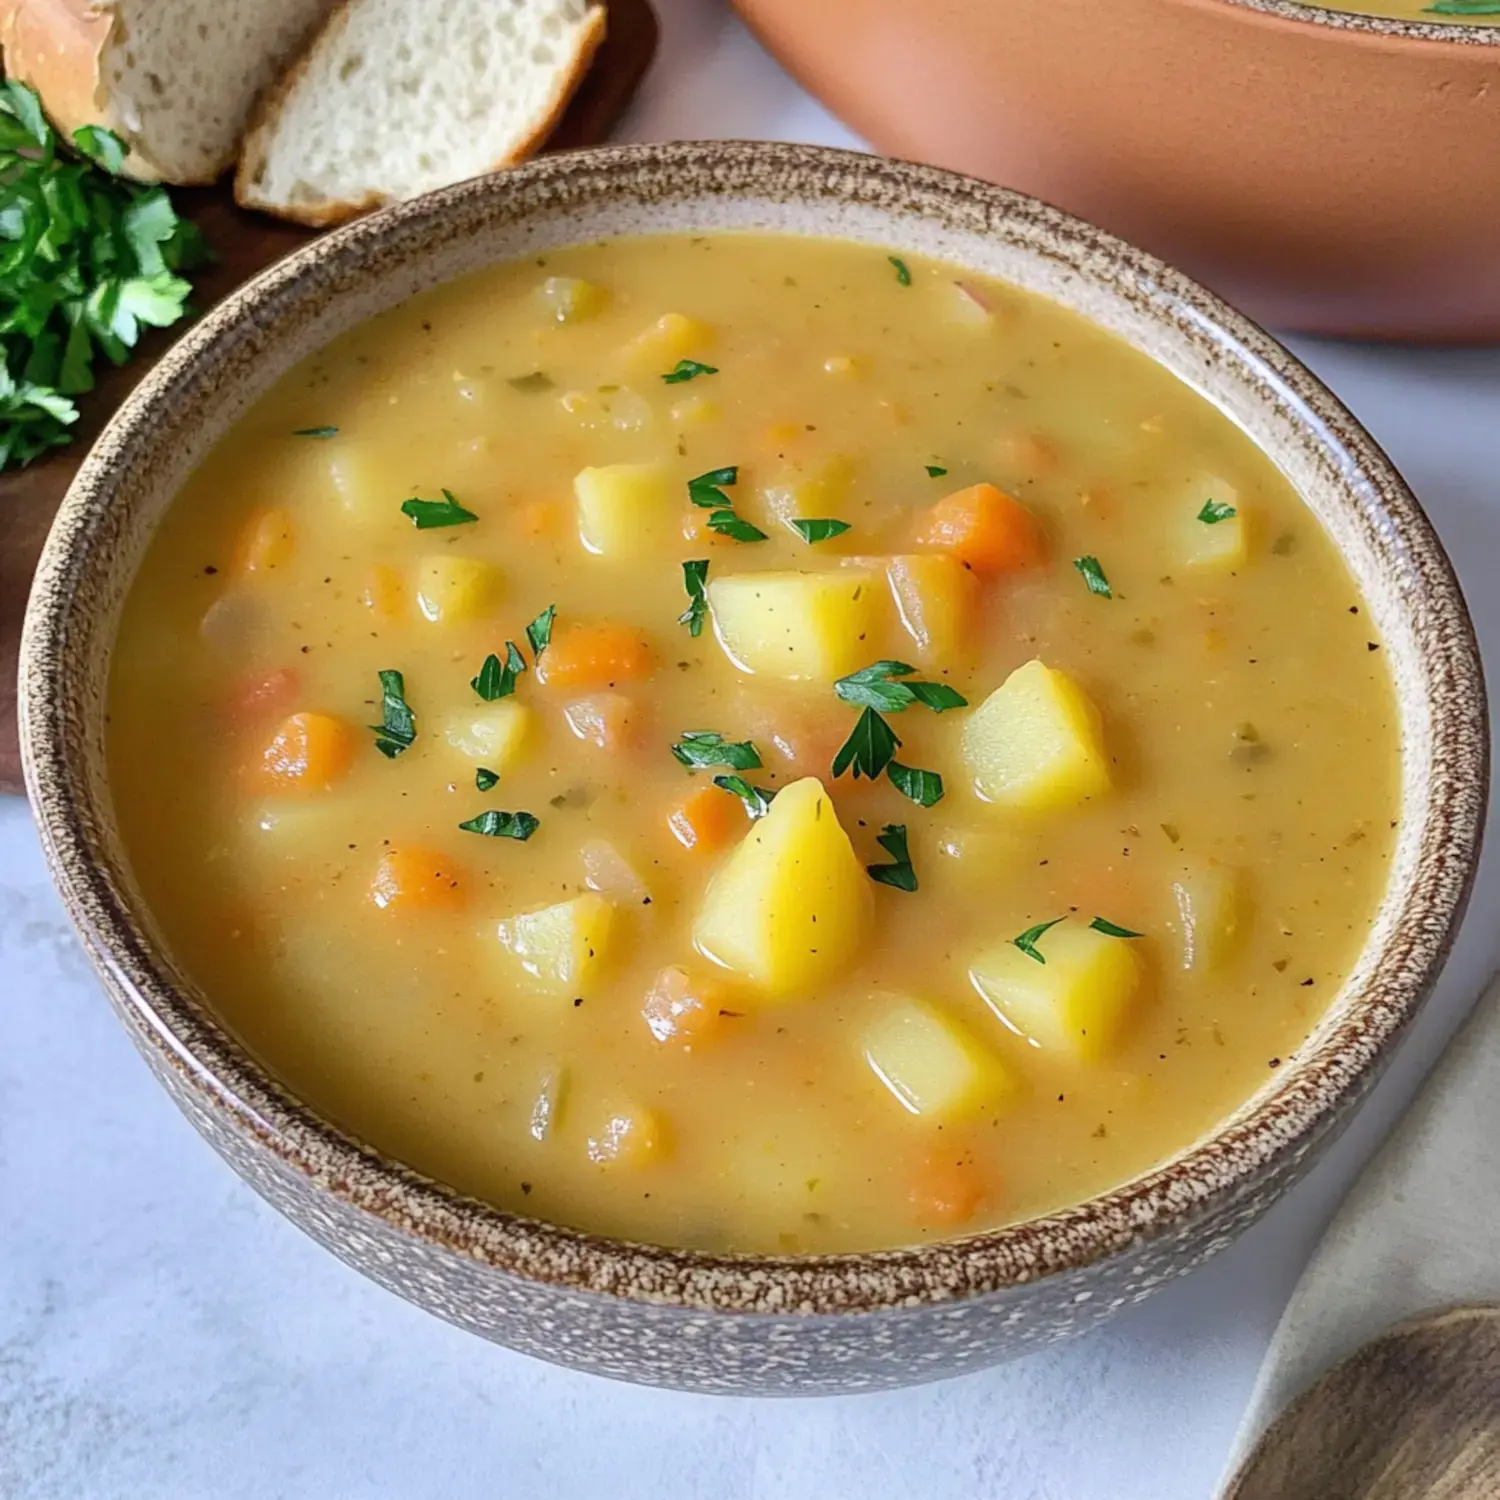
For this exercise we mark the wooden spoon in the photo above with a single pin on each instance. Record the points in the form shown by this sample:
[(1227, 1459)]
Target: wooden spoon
[(1413, 1415)]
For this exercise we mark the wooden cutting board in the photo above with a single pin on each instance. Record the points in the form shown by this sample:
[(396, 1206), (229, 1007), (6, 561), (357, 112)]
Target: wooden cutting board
[(245, 243)]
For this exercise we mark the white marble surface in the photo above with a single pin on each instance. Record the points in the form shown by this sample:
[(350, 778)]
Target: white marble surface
[(164, 1334)]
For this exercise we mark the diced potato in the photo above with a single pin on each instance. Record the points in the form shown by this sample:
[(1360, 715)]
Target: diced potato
[(695, 411), (266, 543), (682, 1009), (846, 366), (608, 871), (1036, 742), (790, 907), (936, 598), (1077, 1002), (670, 338), (570, 299), (365, 491), (627, 1135), (608, 721), (1215, 546), (615, 409), (930, 1063), (807, 627), (561, 948), (1210, 909), (452, 589), (494, 734), (625, 511), (969, 306), (816, 491)]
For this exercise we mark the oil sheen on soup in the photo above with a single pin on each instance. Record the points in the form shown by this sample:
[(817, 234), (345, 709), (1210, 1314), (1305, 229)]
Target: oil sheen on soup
[(753, 743)]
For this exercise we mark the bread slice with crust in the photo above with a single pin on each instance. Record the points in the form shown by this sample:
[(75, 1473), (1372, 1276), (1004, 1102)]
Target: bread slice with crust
[(393, 99), (175, 79)]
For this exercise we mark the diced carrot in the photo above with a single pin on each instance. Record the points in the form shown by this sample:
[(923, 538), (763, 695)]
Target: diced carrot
[(683, 1009), (307, 752), (385, 593), (540, 518), (594, 656), (608, 721), (261, 695), (985, 529), (417, 880), (265, 542), (948, 1188), (707, 819)]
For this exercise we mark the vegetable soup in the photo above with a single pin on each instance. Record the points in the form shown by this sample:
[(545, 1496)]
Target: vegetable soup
[(756, 743)]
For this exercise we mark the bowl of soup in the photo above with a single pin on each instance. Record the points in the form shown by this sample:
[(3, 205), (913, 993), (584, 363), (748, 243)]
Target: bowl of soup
[(752, 768), (1319, 165)]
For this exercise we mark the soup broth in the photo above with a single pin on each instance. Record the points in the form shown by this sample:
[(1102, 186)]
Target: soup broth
[(859, 753)]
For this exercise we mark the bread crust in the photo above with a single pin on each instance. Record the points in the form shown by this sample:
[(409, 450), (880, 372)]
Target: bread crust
[(333, 211)]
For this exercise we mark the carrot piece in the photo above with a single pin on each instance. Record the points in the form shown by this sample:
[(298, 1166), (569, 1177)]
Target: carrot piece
[(417, 880), (948, 1189), (985, 529), (307, 751), (594, 656), (265, 542), (683, 1009), (258, 696), (707, 819)]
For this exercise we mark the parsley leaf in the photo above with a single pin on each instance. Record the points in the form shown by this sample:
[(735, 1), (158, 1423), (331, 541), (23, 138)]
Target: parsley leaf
[(900, 874), (923, 787), (531, 384), (1028, 940), (757, 799), (707, 490), (1215, 511), (496, 680), (316, 432), (903, 272), (425, 514), (503, 825), (1112, 929), (539, 632), (102, 147), (1093, 575), (484, 778), (706, 747), (398, 725), (812, 531), (935, 471), (874, 687), (694, 576), (687, 369), (869, 749), (726, 523), (1462, 8)]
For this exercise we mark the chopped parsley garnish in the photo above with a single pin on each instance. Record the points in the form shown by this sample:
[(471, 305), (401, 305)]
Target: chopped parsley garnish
[(935, 471), (1215, 511), (923, 787), (316, 432), (874, 687), (398, 725), (1093, 575), (707, 490), (687, 369), (813, 531), (539, 632), (1112, 929), (726, 523), (694, 576), (705, 747), (1027, 942), (900, 874), (494, 824), (532, 384), (869, 749), (903, 272), (426, 514), (1462, 8), (757, 799), (484, 779), (497, 680)]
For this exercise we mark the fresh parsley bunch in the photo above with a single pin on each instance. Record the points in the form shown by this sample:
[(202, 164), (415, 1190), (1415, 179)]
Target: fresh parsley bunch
[(86, 260)]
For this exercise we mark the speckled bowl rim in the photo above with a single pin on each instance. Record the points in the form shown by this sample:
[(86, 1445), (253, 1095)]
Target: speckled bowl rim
[(1388, 28), (1306, 1100)]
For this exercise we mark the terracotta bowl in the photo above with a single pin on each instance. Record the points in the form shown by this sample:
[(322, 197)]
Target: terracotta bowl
[(724, 1322), (1324, 171)]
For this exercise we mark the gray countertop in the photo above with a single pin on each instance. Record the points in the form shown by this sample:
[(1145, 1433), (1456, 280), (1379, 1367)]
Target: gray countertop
[(164, 1334)]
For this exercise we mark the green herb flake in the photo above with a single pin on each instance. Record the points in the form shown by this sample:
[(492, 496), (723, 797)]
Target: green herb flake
[(704, 747), (539, 632), (1027, 942), (694, 578), (1112, 929), (397, 729), (485, 779), (531, 385), (316, 432), (903, 271), (726, 523), (757, 799), (935, 471), (901, 875), (869, 749), (102, 147), (707, 490), (1215, 511), (494, 824), (496, 679), (687, 369), (875, 687), (1093, 575), (1462, 8), (427, 514), (922, 787), (814, 531)]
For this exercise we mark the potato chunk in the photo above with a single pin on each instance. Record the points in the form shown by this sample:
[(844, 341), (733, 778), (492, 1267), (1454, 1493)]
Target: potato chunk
[(1036, 743), (569, 299), (494, 735), (936, 597), (1078, 1001), (791, 905), (931, 1064), (627, 1135), (453, 589), (1213, 545), (804, 627), (1210, 905), (561, 948), (672, 337), (625, 511)]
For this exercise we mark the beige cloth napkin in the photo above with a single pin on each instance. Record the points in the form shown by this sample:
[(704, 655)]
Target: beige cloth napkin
[(1420, 1230)]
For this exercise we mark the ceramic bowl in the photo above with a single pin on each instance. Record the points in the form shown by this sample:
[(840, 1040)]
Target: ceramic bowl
[(1324, 171), (723, 1322)]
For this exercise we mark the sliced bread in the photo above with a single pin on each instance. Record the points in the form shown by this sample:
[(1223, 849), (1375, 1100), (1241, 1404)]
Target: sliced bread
[(175, 79), (393, 99)]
